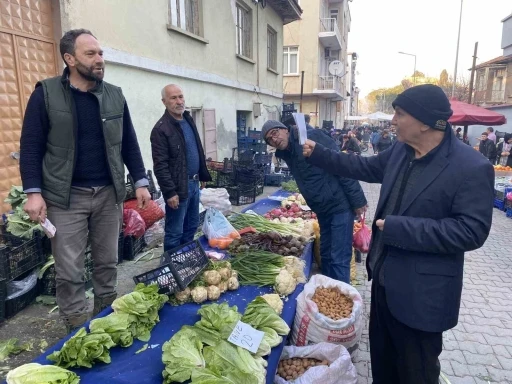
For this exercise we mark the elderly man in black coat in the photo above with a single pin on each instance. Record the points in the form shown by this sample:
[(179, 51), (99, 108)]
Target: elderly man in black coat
[(435, 204)]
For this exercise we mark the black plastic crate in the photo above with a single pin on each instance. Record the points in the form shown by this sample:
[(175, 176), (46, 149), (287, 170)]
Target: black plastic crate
[(273, 180), (3, 296), (242, 194), (15, 305), (201, 218), (263, 158), (132, 247), (254, 134), (289, 107), (130, 187), (120, 248), (19, 256), (500, 195), (179, 268)]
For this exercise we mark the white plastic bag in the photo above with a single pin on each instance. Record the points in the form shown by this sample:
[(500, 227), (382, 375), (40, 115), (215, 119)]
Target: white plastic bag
[(340, 369), (216, 225), (217, 198), (311, 327)]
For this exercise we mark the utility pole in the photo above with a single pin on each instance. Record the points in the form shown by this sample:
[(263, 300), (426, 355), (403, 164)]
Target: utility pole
[(457, 54), (471, 81), (301, 90)]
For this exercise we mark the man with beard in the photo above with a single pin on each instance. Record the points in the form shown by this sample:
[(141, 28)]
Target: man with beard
[(76, 138)]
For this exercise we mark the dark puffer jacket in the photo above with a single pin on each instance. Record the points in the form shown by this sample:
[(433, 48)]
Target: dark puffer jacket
[(170, 159)]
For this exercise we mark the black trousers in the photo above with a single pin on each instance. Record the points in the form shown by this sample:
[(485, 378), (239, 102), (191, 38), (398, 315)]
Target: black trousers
[(400, 354)]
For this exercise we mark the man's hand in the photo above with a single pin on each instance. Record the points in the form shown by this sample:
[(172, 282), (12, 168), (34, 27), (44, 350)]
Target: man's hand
[(202, 185), (380, 224), (35, 207), (143, 197), (174, 202), (360, 211), (308, 148)]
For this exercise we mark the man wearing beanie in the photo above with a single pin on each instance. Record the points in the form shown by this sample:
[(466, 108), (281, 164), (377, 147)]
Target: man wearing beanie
[(435, 203), (332, 198)]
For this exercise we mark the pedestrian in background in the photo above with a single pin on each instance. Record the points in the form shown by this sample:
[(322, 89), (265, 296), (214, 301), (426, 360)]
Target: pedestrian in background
[(490, 134), (487, 148), (384, 142), (425, 220), (76, 139), (179, 166)]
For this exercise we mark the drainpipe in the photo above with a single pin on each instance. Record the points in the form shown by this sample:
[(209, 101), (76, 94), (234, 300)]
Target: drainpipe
[(257, 47)]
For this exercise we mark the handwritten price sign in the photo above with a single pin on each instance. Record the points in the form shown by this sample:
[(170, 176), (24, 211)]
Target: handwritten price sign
[(246, 337)]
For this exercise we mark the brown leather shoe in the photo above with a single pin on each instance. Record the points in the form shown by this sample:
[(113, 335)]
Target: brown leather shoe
[(73, 322), (100, 303)]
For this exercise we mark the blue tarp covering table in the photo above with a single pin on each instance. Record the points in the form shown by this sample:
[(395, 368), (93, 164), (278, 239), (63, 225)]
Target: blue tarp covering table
[(146, 367)]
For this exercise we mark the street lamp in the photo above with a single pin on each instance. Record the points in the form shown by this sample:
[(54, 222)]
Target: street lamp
[(457, 54), (414, 73)]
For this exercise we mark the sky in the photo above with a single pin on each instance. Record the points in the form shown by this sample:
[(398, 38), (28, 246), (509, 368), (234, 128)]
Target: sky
[(427, 28)]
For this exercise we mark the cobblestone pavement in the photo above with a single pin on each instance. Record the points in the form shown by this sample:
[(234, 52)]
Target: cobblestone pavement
[(479, 349)]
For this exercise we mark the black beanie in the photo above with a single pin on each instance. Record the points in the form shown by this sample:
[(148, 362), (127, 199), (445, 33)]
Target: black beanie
[(426, 103)]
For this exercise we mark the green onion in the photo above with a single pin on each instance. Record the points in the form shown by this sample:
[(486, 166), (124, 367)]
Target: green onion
[(257, 267), (244, 220)]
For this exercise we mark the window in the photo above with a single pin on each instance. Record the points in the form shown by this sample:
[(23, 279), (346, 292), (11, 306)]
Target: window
[(291, 60), (243, 31), (185, 14), (271, 48)]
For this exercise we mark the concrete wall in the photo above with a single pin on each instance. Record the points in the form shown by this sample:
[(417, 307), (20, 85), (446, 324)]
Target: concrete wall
[(143, 55), (475, 131)]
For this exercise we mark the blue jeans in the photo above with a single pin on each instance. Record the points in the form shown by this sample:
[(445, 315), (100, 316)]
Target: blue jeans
[(336, 245), (181, 224)]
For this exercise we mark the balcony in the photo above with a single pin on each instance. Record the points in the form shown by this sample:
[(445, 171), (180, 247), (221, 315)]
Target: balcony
[(330, 35), (329, 87)]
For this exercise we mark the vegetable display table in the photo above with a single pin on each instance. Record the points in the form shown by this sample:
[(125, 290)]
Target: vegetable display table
[(128, 367)]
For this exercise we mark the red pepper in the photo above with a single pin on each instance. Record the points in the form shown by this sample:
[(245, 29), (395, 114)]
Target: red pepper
[(247, 230)]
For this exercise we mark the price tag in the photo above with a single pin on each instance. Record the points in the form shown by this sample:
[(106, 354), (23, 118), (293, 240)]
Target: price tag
[(246, 337)]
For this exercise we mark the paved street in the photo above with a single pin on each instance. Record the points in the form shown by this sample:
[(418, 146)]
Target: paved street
[(479, 349)]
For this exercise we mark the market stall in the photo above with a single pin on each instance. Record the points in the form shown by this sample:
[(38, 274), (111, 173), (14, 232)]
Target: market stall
[(128, 366)]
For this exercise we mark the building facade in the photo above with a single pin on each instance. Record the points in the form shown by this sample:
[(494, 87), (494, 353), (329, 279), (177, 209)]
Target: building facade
[(225, 54), (352, 99), (493, 84), (310, 46)]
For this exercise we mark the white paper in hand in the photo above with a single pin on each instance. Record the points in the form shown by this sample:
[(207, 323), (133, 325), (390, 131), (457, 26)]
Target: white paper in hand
[(301, 124), (246, 337)]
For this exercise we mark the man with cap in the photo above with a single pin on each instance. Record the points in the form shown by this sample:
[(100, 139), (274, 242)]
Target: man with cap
[(332, 198), (435, 203)]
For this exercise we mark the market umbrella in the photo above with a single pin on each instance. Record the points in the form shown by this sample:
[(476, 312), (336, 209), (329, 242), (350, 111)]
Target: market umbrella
[(469, 114)]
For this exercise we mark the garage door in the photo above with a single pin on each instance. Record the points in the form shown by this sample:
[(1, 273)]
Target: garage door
[(27, 55)]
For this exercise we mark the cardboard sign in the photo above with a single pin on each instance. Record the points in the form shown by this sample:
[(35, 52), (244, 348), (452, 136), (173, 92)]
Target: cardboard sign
[(246, 337), (301, 125)]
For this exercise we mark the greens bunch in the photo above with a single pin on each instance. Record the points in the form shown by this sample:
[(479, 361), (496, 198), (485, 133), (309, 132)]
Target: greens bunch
[(34, 373)]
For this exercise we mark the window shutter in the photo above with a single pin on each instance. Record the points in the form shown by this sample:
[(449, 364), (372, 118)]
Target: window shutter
[(247, 25)]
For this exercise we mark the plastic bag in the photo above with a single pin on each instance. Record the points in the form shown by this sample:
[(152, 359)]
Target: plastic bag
[(362, 238), (133, 223), (509, 196), (155, 234), (311, 327), (218, 230), (17, 288), (151, 214), (340, 369), (217, 198)]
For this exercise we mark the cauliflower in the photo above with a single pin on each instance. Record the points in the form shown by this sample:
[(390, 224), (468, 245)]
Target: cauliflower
[(212, 277), (274, 301), (225, 274), (183, 296), (233, 283), (295, 267), (199, 294), (234, 274), (223, 286), (213, 292), (285, 283)]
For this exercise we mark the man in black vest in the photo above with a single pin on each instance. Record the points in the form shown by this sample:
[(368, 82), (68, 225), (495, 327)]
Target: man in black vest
[(426, 219), (77, 137), (179, 166)]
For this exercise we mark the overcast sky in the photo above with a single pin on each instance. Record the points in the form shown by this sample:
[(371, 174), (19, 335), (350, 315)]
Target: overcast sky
[(427, 28)]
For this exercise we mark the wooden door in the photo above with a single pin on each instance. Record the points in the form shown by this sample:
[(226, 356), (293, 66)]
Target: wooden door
[(210, 134), (27, 55)]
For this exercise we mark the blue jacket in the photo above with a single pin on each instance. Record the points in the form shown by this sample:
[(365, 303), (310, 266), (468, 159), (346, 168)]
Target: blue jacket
[(375, 137), (448, 212), (325, 193)]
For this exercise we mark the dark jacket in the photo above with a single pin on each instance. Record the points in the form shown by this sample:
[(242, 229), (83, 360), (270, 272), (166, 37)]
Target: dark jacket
[(488, 149), (351, 146), (384, 143), (498, 155), (448, 212), (170, 159), (325, 194)]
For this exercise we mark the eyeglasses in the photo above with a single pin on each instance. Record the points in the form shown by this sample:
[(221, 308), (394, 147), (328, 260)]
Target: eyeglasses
[(272, 135)]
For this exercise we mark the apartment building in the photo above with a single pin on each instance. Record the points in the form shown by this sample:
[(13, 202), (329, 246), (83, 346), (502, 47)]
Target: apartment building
[(310, 46), (225, 54)]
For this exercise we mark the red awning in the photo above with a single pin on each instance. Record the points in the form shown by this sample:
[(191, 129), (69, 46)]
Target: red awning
[(469, 114)]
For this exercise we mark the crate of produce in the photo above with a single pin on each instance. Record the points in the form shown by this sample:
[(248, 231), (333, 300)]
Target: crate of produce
[(18, 256), (263, 158), (499, 194), (16, 304), (220, 179), (242, 194), (179, 267), (258, 147), (260, 186), (132, 247), (499, 204), (273, 180)]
